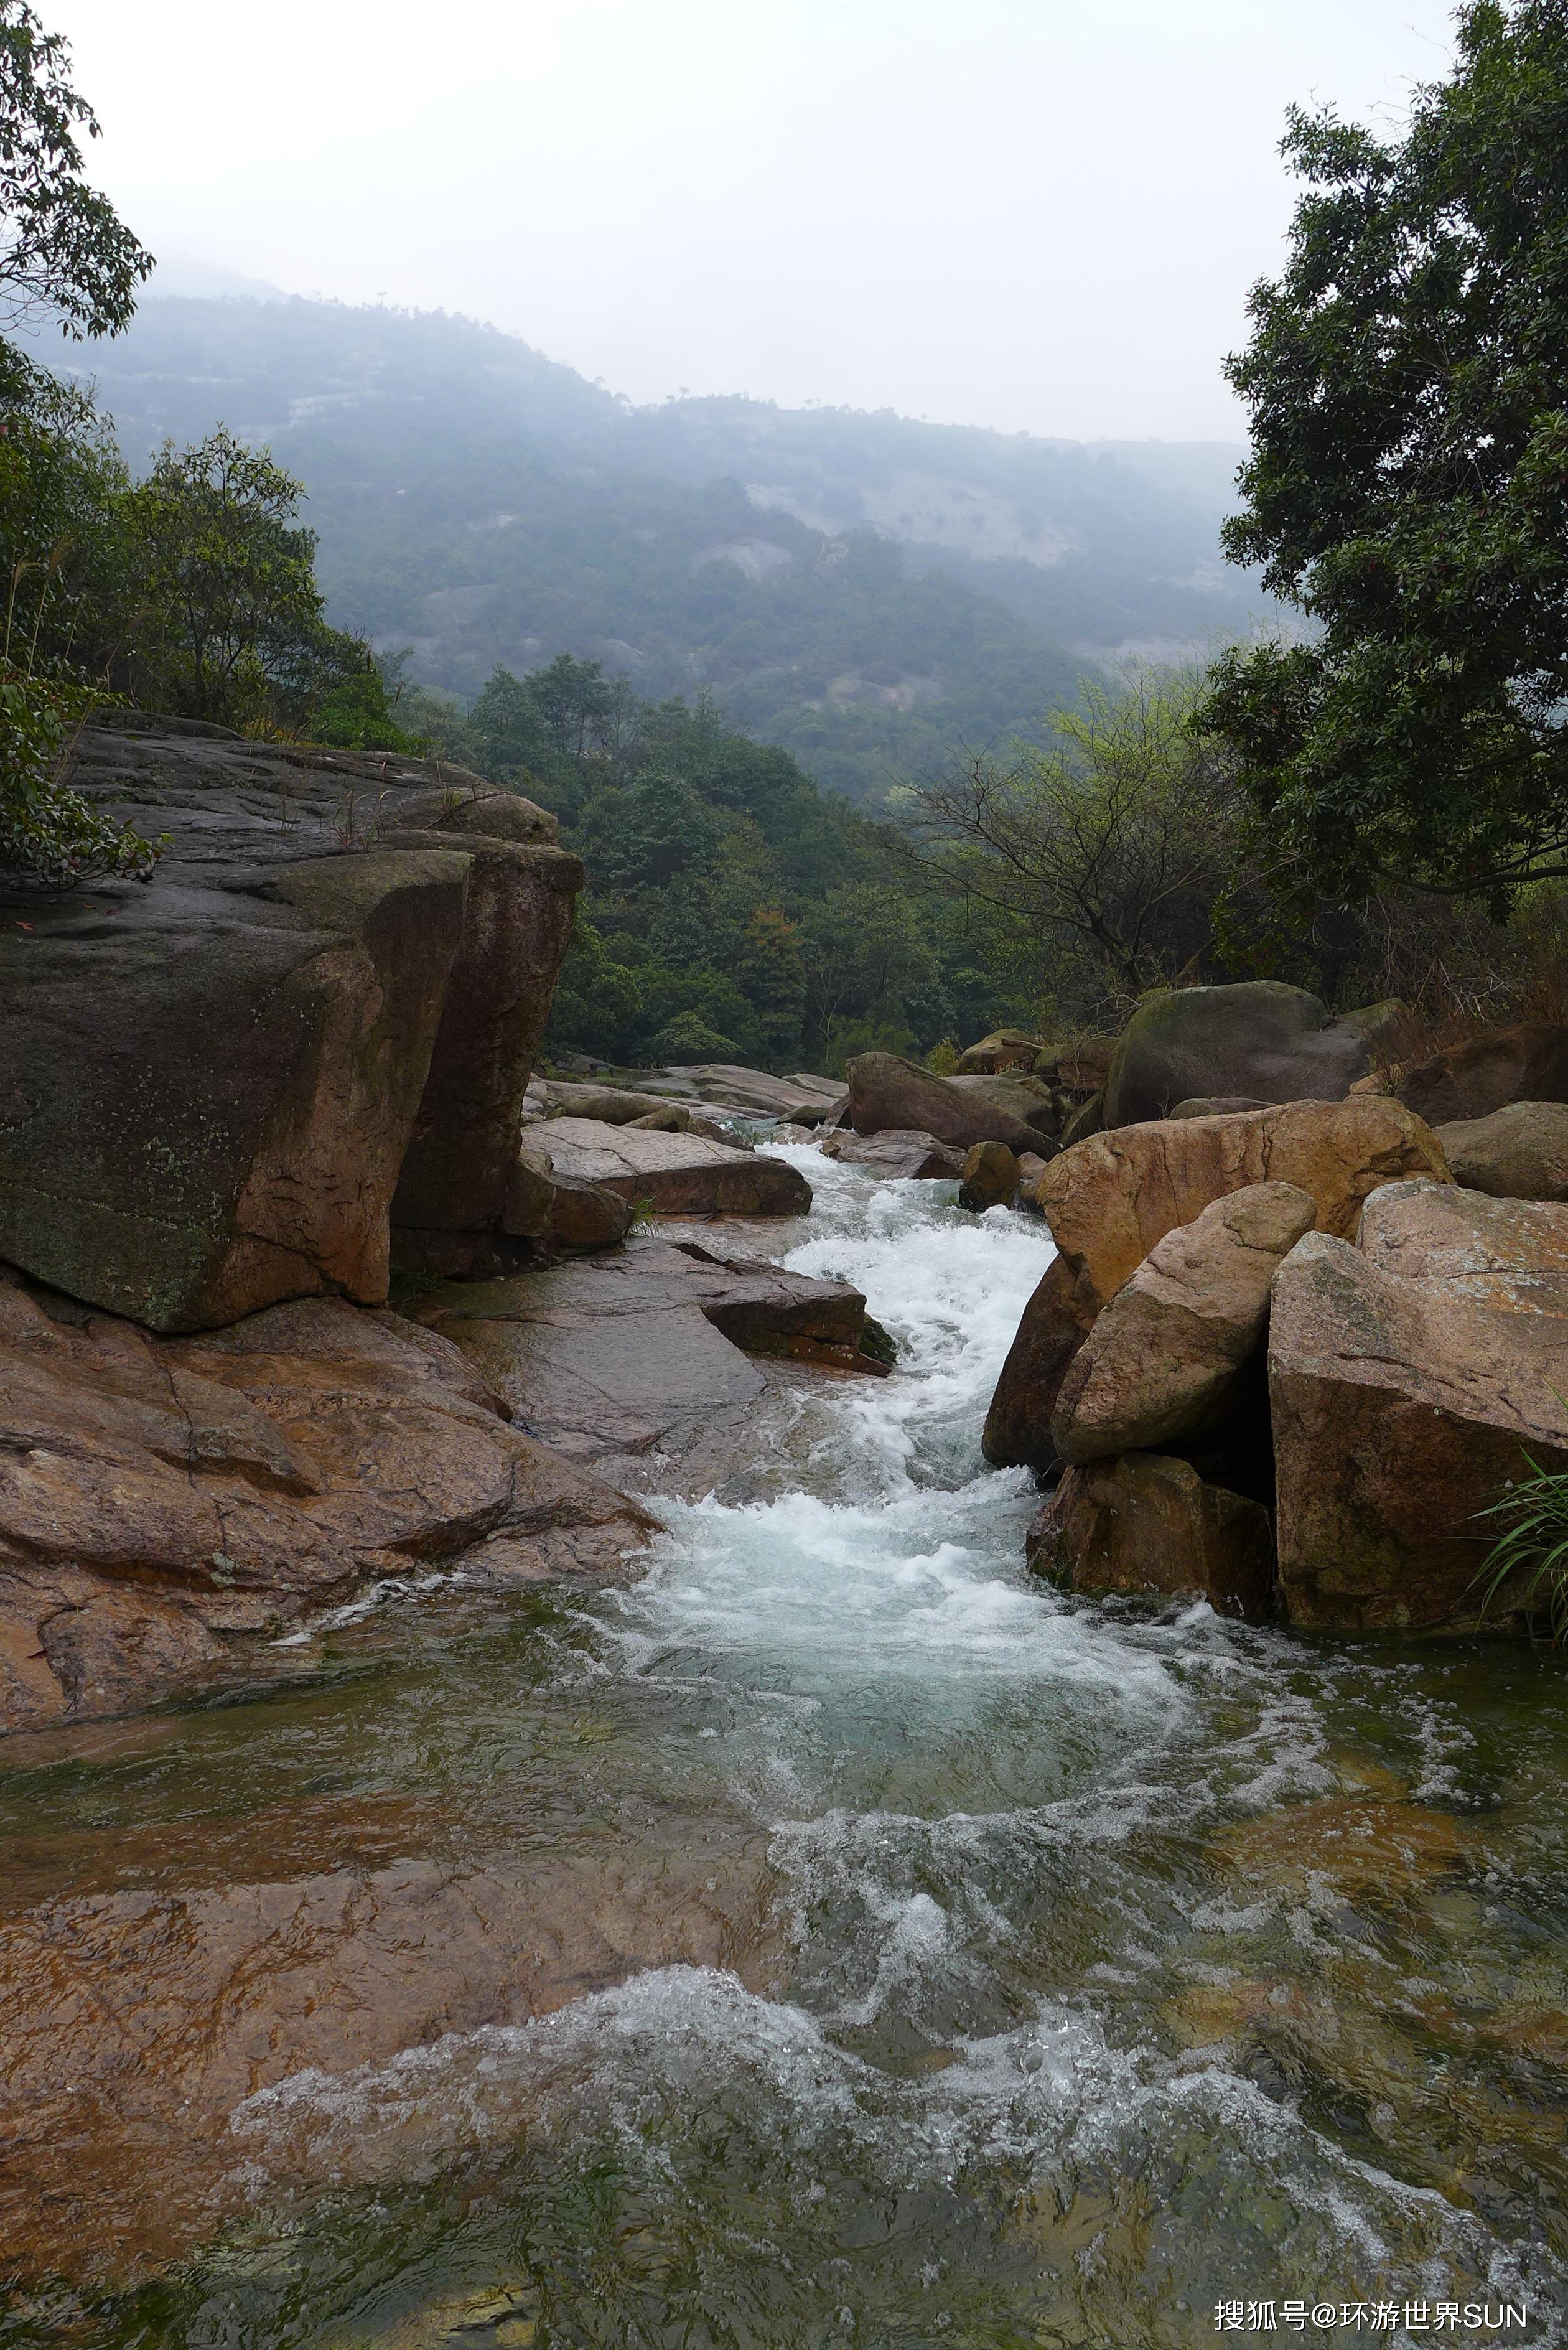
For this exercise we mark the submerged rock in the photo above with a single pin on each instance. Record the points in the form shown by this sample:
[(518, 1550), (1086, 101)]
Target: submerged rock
[(1259, 1038), (1164, 1361), (1149, 1525)]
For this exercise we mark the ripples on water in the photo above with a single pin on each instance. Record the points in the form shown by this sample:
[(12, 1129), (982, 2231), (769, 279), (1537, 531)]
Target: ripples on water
[(1132, 1961)]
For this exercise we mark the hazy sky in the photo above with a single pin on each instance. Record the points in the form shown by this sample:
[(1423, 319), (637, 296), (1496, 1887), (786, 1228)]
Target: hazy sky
[(1017, 213)]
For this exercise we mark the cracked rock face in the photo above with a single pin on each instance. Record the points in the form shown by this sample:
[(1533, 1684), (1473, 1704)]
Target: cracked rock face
[(168, 1506), (316, 1022)]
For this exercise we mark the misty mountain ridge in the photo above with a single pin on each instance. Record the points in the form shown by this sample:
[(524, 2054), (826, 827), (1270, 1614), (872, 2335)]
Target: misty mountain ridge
[(865, 589)]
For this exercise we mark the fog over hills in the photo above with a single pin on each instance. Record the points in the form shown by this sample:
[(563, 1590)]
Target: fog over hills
[(865, 588)]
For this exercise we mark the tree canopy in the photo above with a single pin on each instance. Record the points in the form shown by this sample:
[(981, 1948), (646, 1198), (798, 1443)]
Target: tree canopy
[(1408, 383), (63, 249)]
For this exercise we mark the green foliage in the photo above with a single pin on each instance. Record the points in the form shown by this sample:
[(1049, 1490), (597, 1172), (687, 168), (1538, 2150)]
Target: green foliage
[(229, 627), (1408, 488), (359, 713), (1529, 1560), (48, 833), (1094, 866), (66, 250), (735, 911)]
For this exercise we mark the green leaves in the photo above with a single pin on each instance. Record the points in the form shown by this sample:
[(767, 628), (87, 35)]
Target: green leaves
[(48, 833), (1408, 490), (63, 249)]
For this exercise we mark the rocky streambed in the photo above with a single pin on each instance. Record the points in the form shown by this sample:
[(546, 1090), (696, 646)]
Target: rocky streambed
[(834, 1934)]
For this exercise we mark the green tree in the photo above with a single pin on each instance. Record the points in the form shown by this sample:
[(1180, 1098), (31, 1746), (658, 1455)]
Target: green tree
[(770, 972), (1407, 384), (231, 626), (63, 250), (1114, 843)]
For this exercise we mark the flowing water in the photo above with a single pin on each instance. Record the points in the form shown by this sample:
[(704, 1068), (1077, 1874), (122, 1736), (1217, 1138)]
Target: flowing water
[(1103, 1965)]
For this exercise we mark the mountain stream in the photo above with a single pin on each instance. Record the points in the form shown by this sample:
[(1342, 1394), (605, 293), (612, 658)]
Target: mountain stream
[(1098, 1976)]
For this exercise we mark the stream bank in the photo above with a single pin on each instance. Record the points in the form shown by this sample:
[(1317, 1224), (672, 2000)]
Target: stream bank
[(896, 1950)]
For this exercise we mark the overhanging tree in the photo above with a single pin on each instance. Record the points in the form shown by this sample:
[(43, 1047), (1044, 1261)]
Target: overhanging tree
[(1408, 385)]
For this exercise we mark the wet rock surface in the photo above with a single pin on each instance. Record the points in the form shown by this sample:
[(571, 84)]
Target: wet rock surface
[(639, 1363), (1149, 1526), (170, 1507), (898, 1155)]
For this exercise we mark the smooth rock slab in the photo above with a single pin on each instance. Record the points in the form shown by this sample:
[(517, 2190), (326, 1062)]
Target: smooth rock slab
[(1400, 1412), (676, 1174), (1149, 1525), (1163, 1363), (634, 1362), (167, 1507)]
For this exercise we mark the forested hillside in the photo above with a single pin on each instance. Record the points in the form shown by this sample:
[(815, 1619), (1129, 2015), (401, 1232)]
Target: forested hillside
[(865, 590)]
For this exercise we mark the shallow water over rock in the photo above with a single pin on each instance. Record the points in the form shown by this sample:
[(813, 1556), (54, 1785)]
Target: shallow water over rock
[(835, 1937)]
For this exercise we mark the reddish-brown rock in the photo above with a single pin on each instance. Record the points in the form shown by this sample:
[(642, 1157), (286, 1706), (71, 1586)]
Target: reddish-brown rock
[(166, 1507), (1149, 1525), (1400, 1413), (1519, 1153), (1109, 1199), (990, 1178), (1164, 1361), (1528, 1062), (887, 1092), (1056, 1320)]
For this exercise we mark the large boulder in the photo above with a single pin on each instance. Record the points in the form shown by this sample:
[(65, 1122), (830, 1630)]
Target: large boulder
[(990, 1178), (1527, 1063), (887, 1092), (222, 1089), (1402, 1411), (898, 1157), (675, 1174), (1150, 1526), (1519, 1153), (1511, 1254), (1109, 1199), (1259, 1038), (1055, 1322), (1164, 1361), (167, 1507)]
